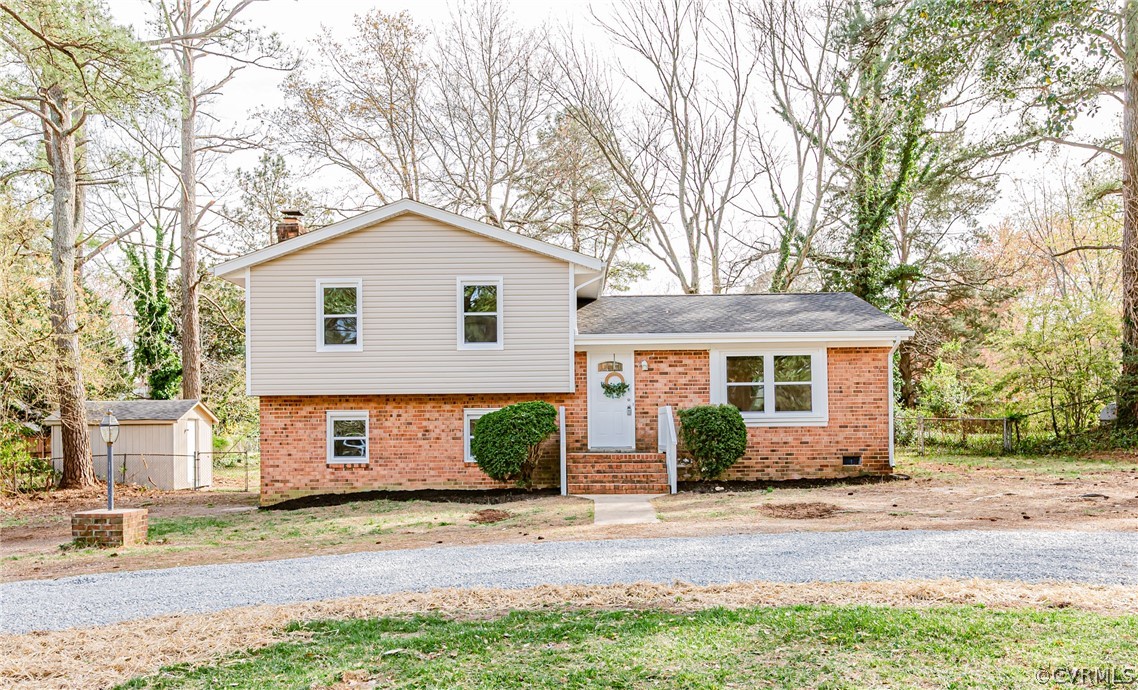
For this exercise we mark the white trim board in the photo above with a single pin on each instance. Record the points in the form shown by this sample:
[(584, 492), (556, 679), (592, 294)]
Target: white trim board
[(229, 268)]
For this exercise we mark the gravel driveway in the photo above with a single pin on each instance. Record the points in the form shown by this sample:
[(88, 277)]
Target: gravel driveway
[(1097, 557)]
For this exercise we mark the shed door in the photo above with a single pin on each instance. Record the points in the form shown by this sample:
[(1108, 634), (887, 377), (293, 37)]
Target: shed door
[(191, 448)]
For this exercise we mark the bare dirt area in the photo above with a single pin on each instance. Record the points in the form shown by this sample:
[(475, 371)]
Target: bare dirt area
[(105, 656), (943, 492)]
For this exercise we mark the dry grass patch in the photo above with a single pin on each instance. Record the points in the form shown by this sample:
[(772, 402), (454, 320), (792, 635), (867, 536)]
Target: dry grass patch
[(489, 516), (101, 657), (812, 510)]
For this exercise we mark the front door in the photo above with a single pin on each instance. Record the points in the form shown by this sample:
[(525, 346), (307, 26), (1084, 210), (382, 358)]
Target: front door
[(612, 414)]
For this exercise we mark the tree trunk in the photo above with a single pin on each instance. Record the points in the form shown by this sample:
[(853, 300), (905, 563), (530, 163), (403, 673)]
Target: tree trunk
[(908, 383), (1128, 380), (78, 469), (187, 218)]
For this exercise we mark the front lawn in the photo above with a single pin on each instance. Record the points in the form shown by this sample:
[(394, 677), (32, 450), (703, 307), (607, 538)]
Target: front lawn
[(786, 647)]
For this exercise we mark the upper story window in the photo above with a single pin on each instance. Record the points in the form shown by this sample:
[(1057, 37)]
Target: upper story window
[(480, 313), (347, 436), (773, 387), (339, 305)]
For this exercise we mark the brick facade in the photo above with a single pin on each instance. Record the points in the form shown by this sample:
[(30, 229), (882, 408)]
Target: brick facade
[(416, 441)]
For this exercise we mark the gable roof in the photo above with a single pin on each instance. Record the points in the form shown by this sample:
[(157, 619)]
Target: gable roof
[(775, 314), (139, 410), (228, 269)]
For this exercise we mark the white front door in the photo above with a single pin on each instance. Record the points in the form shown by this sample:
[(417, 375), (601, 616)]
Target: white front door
[(612, 414), (191, 448)]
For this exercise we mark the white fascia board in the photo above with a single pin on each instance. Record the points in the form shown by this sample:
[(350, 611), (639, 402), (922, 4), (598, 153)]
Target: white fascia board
[(229, 268), (830, 338)]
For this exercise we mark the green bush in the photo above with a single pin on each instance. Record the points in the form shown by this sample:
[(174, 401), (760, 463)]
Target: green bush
[(507, 442), (715, 435), (19, 471)]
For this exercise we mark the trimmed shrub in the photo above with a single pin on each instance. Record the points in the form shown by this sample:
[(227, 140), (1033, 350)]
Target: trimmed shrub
[(715, 435), (507, 442)]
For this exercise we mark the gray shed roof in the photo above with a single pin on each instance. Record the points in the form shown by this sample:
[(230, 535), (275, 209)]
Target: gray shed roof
[(137, 410), (820, 312)]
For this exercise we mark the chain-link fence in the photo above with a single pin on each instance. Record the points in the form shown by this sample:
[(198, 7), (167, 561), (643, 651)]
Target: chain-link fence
[(978, 435), (231, 470), (989, 435)]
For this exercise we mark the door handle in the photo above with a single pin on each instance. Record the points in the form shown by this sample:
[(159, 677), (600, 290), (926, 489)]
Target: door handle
[(629, 410)]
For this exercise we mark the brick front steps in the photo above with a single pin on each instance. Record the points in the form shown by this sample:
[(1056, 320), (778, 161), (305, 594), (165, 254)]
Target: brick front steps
[(616, 473)]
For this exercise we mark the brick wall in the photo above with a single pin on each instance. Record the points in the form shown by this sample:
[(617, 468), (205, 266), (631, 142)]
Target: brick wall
[(416, 441)]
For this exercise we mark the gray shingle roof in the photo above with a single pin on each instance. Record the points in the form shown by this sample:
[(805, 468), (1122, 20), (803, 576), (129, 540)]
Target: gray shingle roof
[(764, 313), (134, 410)]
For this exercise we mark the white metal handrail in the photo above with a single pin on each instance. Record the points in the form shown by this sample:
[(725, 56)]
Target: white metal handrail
[(667, 439)]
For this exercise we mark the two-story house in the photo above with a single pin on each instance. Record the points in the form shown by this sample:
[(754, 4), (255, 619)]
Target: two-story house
[(376, 343)]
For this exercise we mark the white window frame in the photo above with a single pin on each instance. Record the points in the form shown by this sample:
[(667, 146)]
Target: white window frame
[(356, 283), (469, 415), (819, 385), (341, 415), (462, 282)]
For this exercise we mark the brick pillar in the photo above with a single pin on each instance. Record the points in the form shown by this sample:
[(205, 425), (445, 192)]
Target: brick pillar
[(119, 527)]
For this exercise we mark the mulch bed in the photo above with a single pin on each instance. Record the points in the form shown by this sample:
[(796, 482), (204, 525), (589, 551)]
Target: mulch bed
[(488, 497)]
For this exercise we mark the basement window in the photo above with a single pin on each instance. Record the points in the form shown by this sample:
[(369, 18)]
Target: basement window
[(851, 460), (470, 419), (347, 436)]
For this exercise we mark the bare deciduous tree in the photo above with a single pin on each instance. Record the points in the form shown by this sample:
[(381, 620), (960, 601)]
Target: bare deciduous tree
[(363, 111), (801, 68), (491, 95), (685, 154), (195, 31)]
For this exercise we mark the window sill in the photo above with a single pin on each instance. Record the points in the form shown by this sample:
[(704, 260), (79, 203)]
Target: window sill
[(785, 421), (487, 346), (339, 348), (345, 463)]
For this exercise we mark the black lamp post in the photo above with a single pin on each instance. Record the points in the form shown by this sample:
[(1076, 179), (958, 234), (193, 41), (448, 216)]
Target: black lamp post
[(109, 430)]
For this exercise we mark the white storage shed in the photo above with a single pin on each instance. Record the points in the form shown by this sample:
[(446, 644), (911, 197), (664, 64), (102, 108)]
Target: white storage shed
[(163, 444)]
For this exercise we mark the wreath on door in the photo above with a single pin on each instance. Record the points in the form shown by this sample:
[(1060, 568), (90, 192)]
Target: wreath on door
[(614, 385)]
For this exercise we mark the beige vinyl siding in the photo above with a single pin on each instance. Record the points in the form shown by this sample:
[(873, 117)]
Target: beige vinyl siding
[(409, 266)]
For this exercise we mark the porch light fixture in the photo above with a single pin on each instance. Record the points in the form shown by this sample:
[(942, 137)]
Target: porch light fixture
[(109, 430)]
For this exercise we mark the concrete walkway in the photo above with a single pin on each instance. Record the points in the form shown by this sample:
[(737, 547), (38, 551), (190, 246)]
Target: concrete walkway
[(623, 509), (1029, 555)]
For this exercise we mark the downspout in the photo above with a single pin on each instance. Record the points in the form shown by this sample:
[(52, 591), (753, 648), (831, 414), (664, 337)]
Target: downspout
[(892, 351)]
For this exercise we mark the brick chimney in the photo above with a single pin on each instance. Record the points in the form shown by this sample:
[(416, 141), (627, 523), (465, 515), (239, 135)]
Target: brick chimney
[(289, 225)]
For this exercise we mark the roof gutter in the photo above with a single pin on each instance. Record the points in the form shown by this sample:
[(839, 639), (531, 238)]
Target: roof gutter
[(892, 338)]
